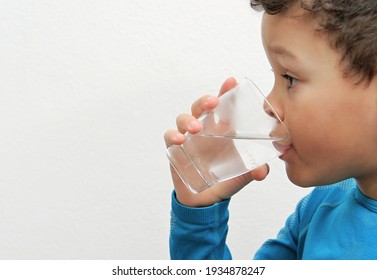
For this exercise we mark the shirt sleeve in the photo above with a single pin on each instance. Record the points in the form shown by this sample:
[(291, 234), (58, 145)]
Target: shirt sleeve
[(287, 245), (199, 233)]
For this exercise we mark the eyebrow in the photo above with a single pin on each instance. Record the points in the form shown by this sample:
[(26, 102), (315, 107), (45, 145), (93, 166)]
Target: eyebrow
[(283, 51)]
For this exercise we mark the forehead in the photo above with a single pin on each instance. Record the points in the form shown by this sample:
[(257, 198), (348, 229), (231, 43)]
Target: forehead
[(294, 23), (292, 33)]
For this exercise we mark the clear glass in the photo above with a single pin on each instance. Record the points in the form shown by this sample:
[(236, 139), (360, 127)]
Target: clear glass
[(239, 135)]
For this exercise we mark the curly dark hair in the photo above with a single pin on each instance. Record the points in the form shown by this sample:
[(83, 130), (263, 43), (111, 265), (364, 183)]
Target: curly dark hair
[(350, 24)]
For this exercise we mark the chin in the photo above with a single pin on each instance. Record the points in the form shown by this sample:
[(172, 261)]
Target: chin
[(301, 178), (307, 178), (301, 183)]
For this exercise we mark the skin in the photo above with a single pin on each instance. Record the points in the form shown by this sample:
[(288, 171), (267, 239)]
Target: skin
[(331, 118)]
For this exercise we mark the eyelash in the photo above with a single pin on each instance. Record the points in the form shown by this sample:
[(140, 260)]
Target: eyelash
[(290, 80)]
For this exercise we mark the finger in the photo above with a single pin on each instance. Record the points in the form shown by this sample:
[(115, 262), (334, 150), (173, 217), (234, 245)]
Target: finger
[(173, 137), (208, 103), (203, 104), (228, 85), (188, 123), (260, 173)]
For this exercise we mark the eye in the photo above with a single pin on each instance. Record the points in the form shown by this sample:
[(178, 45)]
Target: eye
[(291, 81)]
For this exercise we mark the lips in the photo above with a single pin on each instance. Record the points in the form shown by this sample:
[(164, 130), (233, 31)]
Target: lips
[(282, 148)]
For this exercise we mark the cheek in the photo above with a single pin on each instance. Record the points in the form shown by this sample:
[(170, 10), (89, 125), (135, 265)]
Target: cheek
[(315, 150), (333, 138), (326, 151), (315, 127)]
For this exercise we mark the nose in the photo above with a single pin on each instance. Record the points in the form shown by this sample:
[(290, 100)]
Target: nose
[(269, 109), (273, 107)]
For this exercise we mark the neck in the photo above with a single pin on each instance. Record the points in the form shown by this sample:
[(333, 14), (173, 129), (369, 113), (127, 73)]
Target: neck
[(368, 186)]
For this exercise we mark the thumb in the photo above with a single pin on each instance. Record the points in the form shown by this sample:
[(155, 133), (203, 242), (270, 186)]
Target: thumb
[(230, 187), (260, 173)]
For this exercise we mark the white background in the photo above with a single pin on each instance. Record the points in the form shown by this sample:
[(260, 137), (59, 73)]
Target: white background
[(87, 89)]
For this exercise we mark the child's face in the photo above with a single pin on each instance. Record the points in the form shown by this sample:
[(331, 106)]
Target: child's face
[(332, 121)]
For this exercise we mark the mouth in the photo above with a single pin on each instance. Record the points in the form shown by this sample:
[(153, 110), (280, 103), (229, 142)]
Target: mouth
[(282, 148)]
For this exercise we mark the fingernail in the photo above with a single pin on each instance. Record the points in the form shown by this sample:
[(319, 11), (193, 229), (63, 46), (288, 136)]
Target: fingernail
[(192, 125), (178, 138), (209, 100)]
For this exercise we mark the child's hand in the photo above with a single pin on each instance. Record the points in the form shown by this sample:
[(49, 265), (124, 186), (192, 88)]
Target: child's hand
[(189, 123)]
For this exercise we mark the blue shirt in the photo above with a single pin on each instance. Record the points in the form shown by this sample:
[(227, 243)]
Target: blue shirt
[(332, 222)]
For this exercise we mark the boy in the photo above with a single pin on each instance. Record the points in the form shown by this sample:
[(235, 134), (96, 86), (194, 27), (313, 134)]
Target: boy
[(324, 58)]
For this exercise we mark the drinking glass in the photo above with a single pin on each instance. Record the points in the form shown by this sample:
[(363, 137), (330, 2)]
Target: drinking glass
[(239, 135)]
